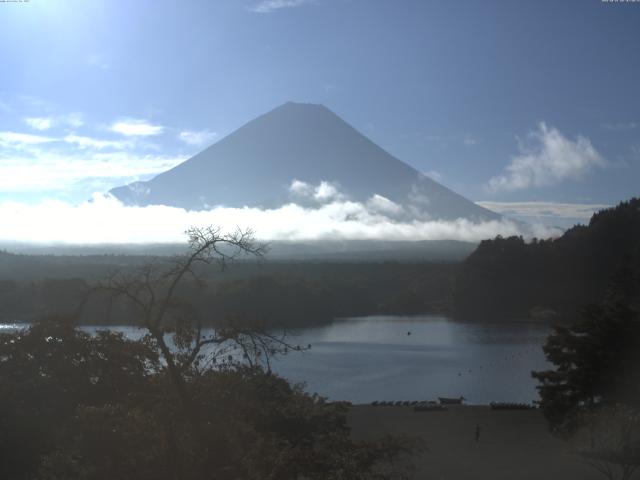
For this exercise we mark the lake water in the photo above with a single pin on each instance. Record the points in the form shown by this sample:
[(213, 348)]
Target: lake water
[(375, 358)]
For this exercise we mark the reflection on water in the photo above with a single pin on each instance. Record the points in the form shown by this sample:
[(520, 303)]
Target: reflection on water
[(416, 358), (411, 358)]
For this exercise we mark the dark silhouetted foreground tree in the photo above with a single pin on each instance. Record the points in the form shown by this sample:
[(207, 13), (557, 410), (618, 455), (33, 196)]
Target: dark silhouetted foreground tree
[(593, 394), (79, 406), (177, 328), (596, 363), (50, 371)]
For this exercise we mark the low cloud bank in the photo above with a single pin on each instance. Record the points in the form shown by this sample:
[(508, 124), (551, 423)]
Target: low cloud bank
[(553, 210), (105, 220)]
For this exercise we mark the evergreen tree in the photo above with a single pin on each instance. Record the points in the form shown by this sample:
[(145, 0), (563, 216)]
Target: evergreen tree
[(596, 359)]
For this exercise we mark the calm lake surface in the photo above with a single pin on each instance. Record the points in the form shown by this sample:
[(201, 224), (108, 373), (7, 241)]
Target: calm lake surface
[(374, 358)]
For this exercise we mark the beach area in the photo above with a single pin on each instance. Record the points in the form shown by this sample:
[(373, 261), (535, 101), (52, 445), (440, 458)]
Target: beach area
[(512, 444)]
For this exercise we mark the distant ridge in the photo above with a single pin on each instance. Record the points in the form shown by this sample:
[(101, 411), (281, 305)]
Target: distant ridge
[(308, 251), (255, 166)]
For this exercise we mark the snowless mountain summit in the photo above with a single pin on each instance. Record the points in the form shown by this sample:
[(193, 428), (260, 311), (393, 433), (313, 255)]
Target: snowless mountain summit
[(303, 154)]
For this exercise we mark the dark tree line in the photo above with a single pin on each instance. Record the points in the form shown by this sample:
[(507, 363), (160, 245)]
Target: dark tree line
[(508, 277), (277, 294)]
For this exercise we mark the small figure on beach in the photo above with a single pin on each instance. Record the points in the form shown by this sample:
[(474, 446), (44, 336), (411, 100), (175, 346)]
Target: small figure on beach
[(477, 432)]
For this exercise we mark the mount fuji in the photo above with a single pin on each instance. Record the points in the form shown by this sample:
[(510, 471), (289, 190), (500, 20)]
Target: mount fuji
[(303, 154)]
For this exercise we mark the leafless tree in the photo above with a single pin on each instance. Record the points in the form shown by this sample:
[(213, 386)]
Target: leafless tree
[(185, 344)]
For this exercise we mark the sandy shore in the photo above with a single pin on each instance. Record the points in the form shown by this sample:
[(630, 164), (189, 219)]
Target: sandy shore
[(514, 444)]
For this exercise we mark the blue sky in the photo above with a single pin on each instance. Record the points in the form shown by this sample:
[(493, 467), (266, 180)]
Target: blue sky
[(504, 102)]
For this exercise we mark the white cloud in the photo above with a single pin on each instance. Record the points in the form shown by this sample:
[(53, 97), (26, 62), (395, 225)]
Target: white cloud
[(73, 120), (545, 209), (378, 203), (69, 164), (197, 138), (39, 123), (17, 140), (88, 142), (550, 159), (323, 192), (135, 127), (268, 6), (106, 220), (300, 188), (58, 171), (13, 142), (326, 191)]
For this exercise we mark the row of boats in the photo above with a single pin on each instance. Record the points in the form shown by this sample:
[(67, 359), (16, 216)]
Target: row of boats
[(441, 404), (422, 406)]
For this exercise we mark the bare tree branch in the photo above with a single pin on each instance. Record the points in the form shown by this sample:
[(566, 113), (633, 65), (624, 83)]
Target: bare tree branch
[(152, 292)]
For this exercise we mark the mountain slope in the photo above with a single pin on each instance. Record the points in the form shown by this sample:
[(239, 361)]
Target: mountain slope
[(256, 165)]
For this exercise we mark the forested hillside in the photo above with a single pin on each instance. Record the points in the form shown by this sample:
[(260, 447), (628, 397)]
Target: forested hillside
[(508, 277), (272, 293)]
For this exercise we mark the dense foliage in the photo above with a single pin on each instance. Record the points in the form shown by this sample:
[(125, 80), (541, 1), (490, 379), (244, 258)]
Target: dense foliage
[(597, 363), (508, 277), (596, 358), (76, 406), (592, 396)]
